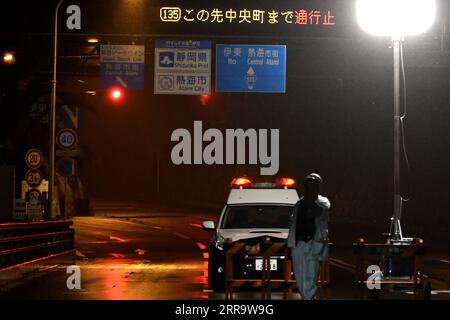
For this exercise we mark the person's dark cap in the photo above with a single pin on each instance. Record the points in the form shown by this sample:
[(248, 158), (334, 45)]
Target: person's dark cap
[(314, 177)]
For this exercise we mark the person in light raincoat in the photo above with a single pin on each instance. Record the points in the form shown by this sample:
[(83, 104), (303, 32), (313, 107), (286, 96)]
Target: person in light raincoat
[(308, 236)]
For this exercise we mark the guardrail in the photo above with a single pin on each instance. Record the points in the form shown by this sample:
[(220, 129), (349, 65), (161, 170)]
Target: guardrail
[(24, 242), (266, 250)]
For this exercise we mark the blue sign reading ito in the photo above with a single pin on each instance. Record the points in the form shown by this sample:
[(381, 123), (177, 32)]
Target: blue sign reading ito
[(251, 68)]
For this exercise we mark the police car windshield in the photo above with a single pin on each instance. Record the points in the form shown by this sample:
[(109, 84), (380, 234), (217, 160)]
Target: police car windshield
[(257, 216)]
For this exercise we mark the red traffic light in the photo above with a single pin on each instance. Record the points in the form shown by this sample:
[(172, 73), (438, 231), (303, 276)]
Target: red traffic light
[(204, 98), (116, 95)]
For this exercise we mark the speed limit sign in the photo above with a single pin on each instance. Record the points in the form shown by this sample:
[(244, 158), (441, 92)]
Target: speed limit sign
[(66, 138), (34, 194), (34, 158), (34, 178)]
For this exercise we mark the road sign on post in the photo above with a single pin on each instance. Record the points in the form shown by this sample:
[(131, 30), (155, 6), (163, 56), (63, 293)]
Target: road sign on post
[(182, 67), (66, 139), (34, 158), (42, 188), (251, 68), (34, 194), (34, 178), (122, 66), (66, 167)]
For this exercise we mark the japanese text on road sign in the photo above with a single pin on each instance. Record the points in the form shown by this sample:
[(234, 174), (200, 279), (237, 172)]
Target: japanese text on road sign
[(251, 68), (182, 67), (122, 65), (297, 16)]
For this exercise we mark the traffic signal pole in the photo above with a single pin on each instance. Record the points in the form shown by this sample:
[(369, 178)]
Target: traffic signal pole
[(52, 120)]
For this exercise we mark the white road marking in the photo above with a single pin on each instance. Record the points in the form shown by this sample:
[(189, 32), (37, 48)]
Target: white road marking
[(432, 292), (337, 261), (342, 266), (445, 261), (79, 254), (182, 236), (141, 266), (50, 267), (117, 239)]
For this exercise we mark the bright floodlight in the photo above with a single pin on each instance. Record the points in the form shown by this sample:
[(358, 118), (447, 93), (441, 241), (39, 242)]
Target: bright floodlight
[(395, 18)]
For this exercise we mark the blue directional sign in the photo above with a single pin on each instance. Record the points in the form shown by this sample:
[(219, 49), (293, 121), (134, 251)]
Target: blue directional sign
[(122, 66), (250, 68)]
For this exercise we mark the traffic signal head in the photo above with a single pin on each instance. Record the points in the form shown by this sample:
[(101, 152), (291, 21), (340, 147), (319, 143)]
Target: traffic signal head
[(116, 95), (204, 98)]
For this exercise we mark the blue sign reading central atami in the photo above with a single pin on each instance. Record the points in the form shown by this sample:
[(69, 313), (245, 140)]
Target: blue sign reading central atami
[(251, 68)]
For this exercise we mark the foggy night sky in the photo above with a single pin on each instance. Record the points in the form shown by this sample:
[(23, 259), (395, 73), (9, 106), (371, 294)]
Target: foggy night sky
[(335, 118)]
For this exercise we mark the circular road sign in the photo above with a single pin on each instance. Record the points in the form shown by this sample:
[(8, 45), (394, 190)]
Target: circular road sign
[(66, 167), (34, 194), (66, 138), (34, 158), (34, 177)]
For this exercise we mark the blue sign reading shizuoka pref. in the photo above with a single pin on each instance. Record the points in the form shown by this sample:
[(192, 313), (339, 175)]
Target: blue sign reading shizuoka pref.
[(122, 66), (250, 68)]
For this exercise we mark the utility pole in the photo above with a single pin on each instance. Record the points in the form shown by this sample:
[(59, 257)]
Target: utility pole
[(52, 120)]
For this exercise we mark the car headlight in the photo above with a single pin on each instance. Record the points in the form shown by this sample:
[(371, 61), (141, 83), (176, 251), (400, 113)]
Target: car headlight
[(219, 242)]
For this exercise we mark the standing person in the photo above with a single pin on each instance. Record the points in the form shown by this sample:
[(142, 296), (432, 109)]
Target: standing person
[(308, 236)]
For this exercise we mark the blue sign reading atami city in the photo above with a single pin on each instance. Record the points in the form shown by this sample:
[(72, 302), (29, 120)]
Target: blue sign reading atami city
[(250, 68)]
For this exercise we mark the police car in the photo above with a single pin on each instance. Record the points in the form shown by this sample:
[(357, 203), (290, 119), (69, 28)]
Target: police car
[(255, 210)]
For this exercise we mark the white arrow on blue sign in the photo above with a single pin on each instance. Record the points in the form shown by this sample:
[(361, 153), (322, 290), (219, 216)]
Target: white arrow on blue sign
[(251, 68), (122, 65)]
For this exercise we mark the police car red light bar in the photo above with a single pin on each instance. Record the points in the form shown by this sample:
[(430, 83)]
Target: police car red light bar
[(244, 182), (241, 182), (286, 182)]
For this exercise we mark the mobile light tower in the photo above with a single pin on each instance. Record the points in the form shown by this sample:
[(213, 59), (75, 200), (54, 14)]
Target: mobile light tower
[(396, 19)]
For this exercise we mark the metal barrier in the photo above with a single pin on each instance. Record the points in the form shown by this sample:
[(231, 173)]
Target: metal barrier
[(265, 250), (24, 242), (405, 264)]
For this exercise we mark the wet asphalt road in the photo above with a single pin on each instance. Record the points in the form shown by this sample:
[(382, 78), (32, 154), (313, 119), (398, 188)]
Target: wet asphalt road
[(130, 251)]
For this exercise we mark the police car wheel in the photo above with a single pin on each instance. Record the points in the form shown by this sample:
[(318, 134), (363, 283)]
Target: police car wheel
[(215, 281)]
